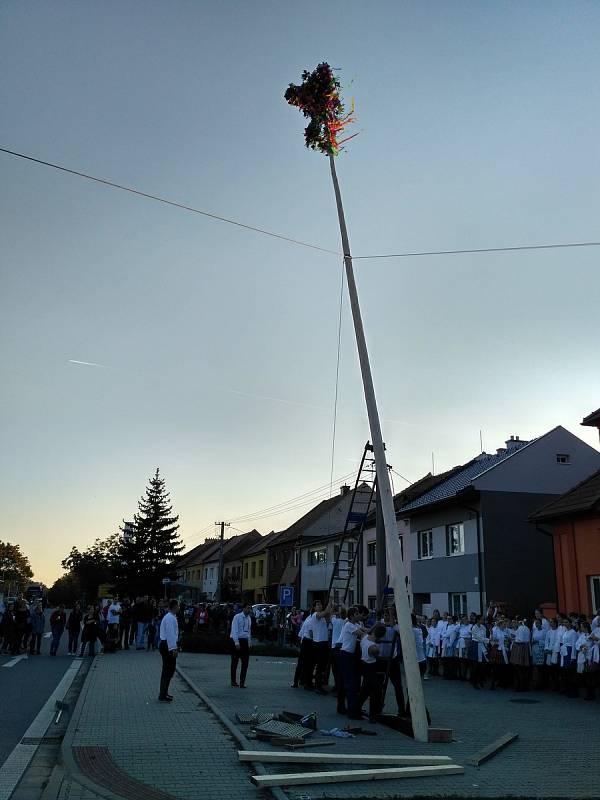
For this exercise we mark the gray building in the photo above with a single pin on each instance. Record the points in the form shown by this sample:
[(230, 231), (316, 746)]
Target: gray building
[(471, 542)]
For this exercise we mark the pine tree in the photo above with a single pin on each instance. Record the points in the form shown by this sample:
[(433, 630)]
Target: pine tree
[(148, 550)]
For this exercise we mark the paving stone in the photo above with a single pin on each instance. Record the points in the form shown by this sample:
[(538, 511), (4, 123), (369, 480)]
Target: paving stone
[(554, 756)]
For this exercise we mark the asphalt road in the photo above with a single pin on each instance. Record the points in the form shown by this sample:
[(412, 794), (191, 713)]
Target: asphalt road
[(25, 687)]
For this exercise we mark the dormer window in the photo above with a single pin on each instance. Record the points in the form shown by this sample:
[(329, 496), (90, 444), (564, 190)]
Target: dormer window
[(563, 458)]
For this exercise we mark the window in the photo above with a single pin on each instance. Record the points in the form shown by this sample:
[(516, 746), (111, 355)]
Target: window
[(371, 554), (455, 539), (563, 458), (421, 599), (457, 603), (212, 571), (425, 544), (595, 589), (296, 557), (205, 573), (261, 568), (246, 570), (253, 569), (372, 602), (227, 572), (317, 557), (350, 597)]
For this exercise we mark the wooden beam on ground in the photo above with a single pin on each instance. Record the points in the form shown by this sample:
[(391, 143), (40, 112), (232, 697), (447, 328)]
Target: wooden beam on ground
[(491, 750), (345, 776), (341, 758)]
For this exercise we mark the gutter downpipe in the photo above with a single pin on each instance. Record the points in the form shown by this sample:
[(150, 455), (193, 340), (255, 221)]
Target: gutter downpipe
[(479, 562)]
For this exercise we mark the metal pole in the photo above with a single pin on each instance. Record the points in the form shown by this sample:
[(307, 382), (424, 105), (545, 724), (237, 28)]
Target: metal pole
[(394, 553)]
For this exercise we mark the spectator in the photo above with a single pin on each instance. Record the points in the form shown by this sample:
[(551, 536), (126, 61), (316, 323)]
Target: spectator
[(38, 623), (58, 620), (74, 628)]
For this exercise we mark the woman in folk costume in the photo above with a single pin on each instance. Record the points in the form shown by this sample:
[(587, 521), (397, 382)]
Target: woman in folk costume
[(538, 645), (520, 656), (583, 649), (448, 648), (568, 658), (478, 652), (551, 648), (463, 642), (498, 654), (432, 646), (593, 676)]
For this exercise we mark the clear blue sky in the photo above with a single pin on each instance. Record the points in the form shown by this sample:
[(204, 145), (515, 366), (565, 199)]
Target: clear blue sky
[(479, 127)]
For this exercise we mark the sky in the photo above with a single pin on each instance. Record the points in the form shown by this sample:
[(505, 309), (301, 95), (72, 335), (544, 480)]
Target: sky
[(218, 346)]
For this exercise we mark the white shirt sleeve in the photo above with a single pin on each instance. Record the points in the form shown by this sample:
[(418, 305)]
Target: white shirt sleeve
[(169, 630)]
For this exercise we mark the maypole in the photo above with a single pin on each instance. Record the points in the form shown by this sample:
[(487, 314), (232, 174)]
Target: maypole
[(319, 100)]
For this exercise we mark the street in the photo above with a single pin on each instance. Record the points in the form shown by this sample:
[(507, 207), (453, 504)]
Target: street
[(26, 683)]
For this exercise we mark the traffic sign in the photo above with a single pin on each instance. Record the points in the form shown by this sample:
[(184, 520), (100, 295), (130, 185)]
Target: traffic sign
[(286, 596), (166, 580)]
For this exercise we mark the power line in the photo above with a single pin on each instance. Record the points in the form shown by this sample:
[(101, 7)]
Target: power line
[(210, 215), (174, 203), (482, 250), (290, 500)]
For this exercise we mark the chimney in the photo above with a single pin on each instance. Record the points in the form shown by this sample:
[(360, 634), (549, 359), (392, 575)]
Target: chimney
[(344, 489), (514, 443)]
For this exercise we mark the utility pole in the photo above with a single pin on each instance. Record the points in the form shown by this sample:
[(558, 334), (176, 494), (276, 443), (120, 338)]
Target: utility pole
[(414, 685), (220, 575)]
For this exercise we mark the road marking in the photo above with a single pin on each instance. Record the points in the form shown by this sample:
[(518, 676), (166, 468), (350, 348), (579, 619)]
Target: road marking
[(14, 661), (15, 765)]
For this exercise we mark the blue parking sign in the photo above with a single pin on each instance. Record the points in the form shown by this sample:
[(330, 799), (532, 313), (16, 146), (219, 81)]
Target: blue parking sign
[(286, 596)]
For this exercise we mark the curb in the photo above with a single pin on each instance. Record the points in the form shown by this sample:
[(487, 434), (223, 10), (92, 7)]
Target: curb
[(245, 744), (72, 771)]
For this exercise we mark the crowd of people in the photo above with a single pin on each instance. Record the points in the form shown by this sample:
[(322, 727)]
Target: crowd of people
[(111, 625), (362, 651)]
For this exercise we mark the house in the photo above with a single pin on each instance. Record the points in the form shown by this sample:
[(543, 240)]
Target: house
[(574, 519), (283, 563), (234, 550), (189, 570), (592, 420), (318, 555), (471, 541), (254, 570), (369, 544)]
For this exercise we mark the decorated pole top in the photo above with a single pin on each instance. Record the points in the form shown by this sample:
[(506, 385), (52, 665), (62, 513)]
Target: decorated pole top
[(318, 97)]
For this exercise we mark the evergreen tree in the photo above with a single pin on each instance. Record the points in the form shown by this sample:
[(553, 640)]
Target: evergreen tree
[(150, 546)]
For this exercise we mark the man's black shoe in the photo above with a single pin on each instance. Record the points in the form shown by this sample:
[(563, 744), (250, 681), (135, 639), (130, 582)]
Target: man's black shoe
[(165, 699), (235, 684), (242, 685), (169, 697)]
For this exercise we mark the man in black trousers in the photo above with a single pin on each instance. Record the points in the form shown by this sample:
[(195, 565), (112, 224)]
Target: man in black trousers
[(169, 641), (240, 637)]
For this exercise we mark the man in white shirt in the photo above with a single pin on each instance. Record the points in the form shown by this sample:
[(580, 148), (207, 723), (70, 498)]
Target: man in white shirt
[(169, 641), (240, 636), (351, 634), (113, 618), (319, 624)]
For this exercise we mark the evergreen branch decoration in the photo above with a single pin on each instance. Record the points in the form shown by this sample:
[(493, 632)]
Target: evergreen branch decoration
[(318, 97)]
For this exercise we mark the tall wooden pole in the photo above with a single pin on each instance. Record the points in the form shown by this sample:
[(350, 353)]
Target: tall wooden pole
[(394, 553)]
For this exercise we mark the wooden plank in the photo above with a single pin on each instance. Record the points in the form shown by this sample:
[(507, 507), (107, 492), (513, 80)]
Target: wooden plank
[(341, 758), (345, 776), (491, 750)]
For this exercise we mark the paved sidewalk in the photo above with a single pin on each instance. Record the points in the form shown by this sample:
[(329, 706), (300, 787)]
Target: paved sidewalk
[(554, 757), (123, 743)]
